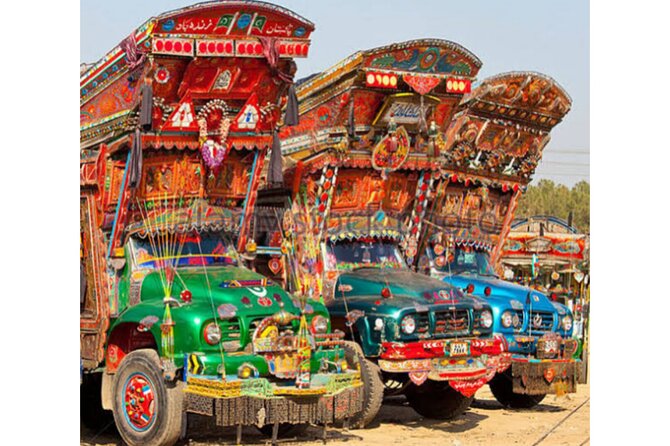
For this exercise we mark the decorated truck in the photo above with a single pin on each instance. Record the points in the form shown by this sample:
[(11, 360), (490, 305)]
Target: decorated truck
[(493, 146), (360, 166), (176, 122)]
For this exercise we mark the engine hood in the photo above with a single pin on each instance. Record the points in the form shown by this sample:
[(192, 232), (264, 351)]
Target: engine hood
[(408, 289), (249, 292), (502, 291)]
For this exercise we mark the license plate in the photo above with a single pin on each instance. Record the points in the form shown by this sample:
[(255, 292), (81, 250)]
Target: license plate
[(551, 347), (458, 349)]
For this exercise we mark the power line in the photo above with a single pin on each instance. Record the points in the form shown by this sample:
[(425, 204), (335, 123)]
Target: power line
[(571, 152), (561, 175), (564, 163)]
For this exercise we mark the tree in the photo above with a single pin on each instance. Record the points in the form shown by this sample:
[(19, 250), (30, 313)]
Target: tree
[(549, 198)]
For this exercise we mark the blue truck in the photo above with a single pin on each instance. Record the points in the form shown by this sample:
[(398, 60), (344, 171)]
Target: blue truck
[(536, 331), (493, 146)]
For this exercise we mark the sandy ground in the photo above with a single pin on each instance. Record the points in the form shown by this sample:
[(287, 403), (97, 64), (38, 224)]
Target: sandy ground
[(556, 421)]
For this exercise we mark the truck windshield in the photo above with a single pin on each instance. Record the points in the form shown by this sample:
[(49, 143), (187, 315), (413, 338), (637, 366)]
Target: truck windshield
[(191, 249), (348, 255), (466, 260)]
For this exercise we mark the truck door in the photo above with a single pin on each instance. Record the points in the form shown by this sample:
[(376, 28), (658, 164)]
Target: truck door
[(93, 305)]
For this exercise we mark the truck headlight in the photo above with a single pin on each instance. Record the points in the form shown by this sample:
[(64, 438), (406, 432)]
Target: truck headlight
[(486, 319), (319, 324), (506, 319), (567, 322), (408, 324), (212, 333)]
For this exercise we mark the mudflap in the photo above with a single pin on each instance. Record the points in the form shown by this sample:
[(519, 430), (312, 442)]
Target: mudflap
[(247, 410), (546, 377)]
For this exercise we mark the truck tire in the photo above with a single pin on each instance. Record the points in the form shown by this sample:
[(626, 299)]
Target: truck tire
[(153, 416), (437, 400), (501, 387), (373, 387)]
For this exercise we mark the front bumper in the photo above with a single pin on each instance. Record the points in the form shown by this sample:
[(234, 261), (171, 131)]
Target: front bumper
[(544, 376), (548, 367), (258, 401), (467, 364)]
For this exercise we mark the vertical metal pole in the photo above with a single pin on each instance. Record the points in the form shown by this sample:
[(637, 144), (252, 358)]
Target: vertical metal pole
[(324, 434), (275, 433)]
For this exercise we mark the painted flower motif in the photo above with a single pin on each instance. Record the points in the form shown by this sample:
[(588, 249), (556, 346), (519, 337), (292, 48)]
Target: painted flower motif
[(146, 323), (264, 301), (162, 75), (227, 311)]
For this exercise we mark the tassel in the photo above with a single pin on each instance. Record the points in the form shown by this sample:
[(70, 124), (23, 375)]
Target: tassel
[(423, 126), (291, 117), (135, 168), (304, 356), (351, 124), (146, 106), (133, 56), (275, 169), (167, 334)]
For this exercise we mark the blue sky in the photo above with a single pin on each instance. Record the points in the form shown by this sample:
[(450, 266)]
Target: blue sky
[(547, 36)]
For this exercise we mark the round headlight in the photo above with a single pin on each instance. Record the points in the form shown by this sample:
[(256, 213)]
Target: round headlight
[(516, 321), (486, 319), (319, 324), (379, 324), (567, 322), (506, 319), (408, 324), (212, 334)]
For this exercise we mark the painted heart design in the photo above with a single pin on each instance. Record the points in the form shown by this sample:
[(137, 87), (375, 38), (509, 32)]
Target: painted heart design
[(549, 374), (418, 378), (275, 265)]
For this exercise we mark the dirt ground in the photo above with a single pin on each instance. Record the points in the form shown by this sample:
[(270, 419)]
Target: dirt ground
[(557, 421)]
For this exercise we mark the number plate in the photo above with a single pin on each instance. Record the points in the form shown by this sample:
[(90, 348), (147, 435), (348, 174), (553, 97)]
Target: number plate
[(551, 346), (458, 349)]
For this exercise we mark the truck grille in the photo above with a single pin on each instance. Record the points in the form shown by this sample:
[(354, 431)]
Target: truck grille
[(540, 321), (422, 323), (230, 330), (520, 315), (452, 322)]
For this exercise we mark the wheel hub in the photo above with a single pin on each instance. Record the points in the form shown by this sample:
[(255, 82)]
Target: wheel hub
[(139, 402)]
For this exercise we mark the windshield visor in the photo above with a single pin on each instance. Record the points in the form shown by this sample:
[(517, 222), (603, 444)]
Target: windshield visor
[(370, 253), (182, 249), (463, 260)]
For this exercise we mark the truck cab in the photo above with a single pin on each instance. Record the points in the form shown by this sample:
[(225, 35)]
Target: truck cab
[(176, 123)]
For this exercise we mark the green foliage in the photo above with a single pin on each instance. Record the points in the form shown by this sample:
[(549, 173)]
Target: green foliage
[(548, 198)]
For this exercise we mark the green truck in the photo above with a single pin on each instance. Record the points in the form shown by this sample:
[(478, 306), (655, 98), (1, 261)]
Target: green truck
[(176, 122)]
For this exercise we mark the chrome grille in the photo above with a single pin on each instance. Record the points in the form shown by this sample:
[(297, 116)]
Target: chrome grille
[(422, 323), (230, 330), (452, 322), (541, 321), (520, 315)]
